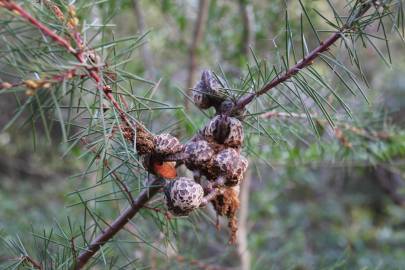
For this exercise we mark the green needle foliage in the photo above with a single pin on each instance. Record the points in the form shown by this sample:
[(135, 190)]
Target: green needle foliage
[(319, 95)]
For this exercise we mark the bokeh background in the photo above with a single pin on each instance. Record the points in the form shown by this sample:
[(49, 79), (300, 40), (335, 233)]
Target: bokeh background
[(308, 202)]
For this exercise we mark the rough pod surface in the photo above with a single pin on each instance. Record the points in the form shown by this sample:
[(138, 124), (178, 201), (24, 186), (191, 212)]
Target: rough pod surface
[(199, 154), (166, 144), (209, 91), (230, 165), (182, 196), (224, 130), (201, 96)]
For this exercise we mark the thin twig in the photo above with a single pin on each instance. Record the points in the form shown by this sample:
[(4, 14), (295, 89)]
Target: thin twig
[(119, 223), (8, 85), (10, 5), (93, 70), (31, 261), (65, 75), (305, 62), (73, 247), (363, 132)]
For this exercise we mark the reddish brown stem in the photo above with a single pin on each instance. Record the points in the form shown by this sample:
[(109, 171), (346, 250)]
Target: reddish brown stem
[(92, 70), (34, 263), (7, 85), (48, 32), (308, 60), (119, 223), (305, 62), (67, 74)]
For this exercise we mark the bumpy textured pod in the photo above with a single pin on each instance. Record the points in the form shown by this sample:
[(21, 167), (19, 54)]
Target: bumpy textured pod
[(214, 84), (166, 144), (209, 91), (201, 96), (224, 130), (236, 135), (182, 196), (230, 165), (199, 154), (214, 127)]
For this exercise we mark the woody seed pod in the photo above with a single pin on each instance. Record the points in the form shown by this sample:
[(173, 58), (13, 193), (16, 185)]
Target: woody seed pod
[(224, 130), (208, 91), (166, 144), (200, 96), (230, 165), (182, 196), (199, 154), (213, 84)]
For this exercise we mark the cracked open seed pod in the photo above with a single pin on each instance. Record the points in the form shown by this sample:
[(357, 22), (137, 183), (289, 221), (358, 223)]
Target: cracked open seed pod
[(209, 91), (164, 169), (214, 84), (231, 165), (166, 144), (201, 96), (182, 196), (224, 130)]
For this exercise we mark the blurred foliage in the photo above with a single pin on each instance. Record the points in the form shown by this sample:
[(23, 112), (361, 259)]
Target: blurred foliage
[(316, 203)]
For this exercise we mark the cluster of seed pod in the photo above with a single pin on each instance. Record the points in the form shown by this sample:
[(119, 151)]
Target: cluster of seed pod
[(215, 152), (214, 156)]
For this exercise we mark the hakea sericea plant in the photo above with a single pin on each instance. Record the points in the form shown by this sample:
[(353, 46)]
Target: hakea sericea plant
[(213, 154)]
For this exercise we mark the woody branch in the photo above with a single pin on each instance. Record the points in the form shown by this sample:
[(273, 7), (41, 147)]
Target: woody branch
[(306, 61), (93, 72)]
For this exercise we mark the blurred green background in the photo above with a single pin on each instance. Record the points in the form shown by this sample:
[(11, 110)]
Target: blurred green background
[(312, 202)]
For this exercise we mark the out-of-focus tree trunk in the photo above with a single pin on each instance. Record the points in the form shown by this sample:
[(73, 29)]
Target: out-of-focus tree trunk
[(248, 18), (391, 182), (199, 29), (248, 41), (150, 71), (242, 239)]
